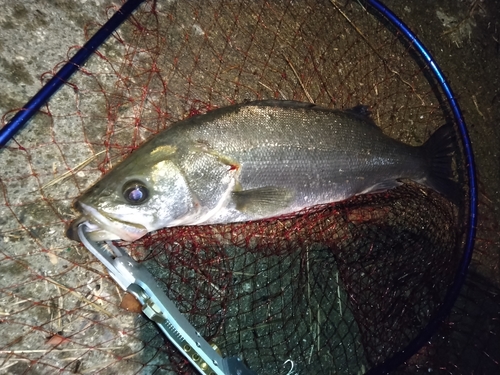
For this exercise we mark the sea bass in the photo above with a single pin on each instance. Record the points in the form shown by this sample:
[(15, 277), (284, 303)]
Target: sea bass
[(252, 161)]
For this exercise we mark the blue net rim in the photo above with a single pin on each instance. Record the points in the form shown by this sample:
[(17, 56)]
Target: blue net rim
[(423, 337)]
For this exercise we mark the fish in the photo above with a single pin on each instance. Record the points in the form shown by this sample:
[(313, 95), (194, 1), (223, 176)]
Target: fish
[(256, 160)]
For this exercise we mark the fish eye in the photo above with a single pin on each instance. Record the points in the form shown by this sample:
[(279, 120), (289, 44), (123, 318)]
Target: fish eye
[(135, 192)]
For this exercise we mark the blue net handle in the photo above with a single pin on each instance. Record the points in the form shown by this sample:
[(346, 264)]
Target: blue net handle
[(62, 76), (395, 361)]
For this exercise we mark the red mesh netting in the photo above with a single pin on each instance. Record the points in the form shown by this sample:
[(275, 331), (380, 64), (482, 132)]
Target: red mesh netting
[(343, 285), (336, 289)]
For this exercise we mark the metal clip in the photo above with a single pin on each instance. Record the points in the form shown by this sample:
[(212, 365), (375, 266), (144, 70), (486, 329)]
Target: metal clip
[(137, 280)]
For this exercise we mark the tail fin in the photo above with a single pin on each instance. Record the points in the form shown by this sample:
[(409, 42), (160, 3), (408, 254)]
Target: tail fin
[(439, 150)]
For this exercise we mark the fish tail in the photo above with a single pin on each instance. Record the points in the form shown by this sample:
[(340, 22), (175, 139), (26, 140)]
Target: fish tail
[(439, 151)]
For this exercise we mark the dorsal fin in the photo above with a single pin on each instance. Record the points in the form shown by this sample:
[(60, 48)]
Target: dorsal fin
[(363, 112)]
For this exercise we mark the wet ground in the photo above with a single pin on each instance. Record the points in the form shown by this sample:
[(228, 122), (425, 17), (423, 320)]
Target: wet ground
[(463, 36)]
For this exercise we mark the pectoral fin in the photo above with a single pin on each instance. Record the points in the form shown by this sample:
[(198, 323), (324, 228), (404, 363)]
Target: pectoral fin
[(265, 201)]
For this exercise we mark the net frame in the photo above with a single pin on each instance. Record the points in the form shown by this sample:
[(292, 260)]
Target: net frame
[(193, 111)]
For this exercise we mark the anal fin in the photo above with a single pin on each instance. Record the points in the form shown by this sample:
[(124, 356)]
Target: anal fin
[(382, 186)]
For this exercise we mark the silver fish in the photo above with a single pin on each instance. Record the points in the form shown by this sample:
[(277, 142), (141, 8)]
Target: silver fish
[(256, 160)]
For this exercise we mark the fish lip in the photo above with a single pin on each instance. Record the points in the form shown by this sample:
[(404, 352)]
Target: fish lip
[(104, 227), (72, 229)]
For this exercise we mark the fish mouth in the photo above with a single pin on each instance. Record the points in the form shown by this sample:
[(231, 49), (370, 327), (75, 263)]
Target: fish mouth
[(101, 227)]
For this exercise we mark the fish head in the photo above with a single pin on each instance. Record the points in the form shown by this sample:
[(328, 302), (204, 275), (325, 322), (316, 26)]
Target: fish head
[(140, 195)]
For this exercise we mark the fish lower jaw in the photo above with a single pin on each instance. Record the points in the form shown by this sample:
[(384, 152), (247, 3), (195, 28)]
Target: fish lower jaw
[(105, 228), (100, 235)]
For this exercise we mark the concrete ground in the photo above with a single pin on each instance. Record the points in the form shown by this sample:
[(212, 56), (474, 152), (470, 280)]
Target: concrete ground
[(35, 36)]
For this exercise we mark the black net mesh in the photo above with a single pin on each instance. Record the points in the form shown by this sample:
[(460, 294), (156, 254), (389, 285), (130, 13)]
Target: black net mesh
[(340, 287)]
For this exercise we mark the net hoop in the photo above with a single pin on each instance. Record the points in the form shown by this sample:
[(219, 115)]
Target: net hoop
[(381, 11), (418, 342)]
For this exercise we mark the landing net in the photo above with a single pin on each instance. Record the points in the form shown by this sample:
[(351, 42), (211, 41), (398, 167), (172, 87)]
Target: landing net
[(336, 289)]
